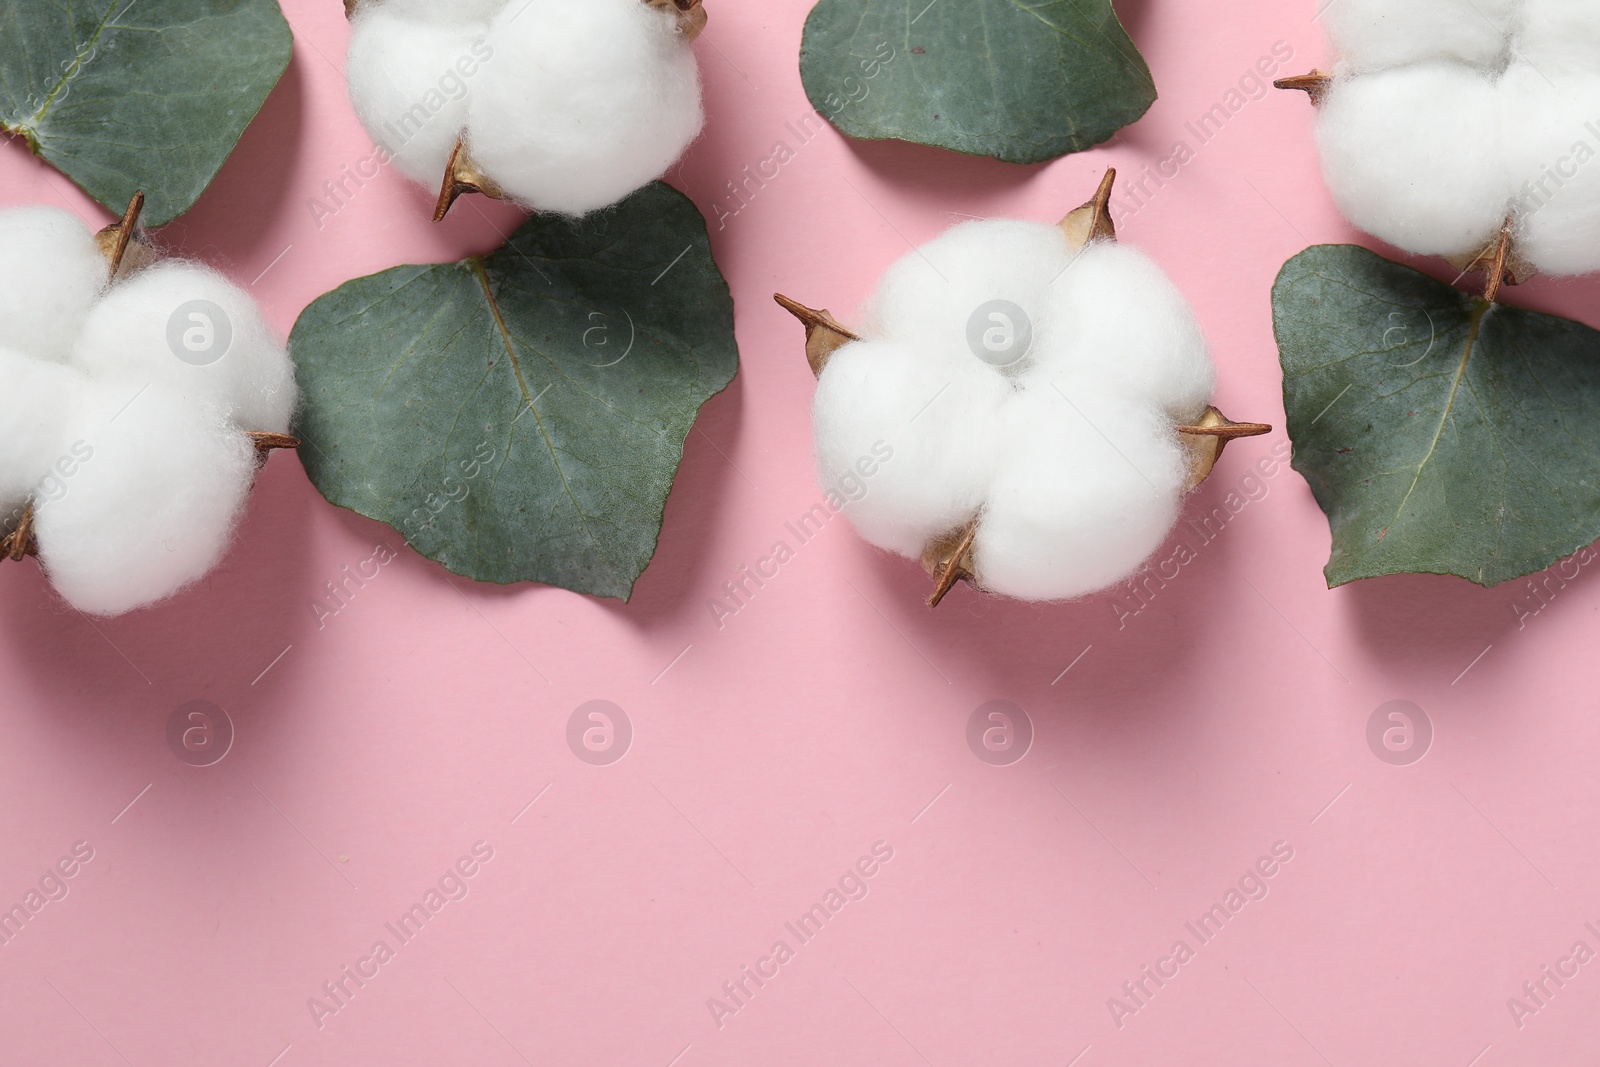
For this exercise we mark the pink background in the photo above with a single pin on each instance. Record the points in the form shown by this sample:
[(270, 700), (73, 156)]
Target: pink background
[(827, 715)]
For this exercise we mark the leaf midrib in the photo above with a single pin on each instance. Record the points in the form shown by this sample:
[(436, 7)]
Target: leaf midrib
[(1478, 314), (527, 398), (77, 65)]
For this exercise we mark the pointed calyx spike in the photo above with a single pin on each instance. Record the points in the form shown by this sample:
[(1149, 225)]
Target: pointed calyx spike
[(1208, 436), (266, 443), (350, 8), (691, 15), (1092, 221), (949, 560), (824, 334), (20, 543), (1314, 85), (120, 243), (462, 176), (1499, 262)]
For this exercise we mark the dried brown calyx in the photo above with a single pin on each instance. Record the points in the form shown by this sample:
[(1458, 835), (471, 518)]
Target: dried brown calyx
[(1499, 261), (463, 176), (948, 558), (125, 252)]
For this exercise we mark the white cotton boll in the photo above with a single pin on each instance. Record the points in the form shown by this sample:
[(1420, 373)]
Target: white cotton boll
[(35, 402), (1377, 34), (1087, 490), (51, 272), (1560, 37), (410, 82), (951, 292), (1549, 133), (193, 332), (930, 424), (1412, 156), (584, 103), (153, 506), (1115, 317)]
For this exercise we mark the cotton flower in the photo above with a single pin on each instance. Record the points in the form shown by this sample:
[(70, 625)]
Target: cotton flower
[(131, 412), (1033, 400), (567, 106), (1446, 123)]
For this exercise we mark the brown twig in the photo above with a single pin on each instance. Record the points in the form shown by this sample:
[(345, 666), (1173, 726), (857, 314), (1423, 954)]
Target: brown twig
[(116, 240), (266, 443), (691, 15), (461, 176), (950, 565), (1314, 85), (1207, 437), (20, 543), (824, 334), (1092, 220), (1498, 264)]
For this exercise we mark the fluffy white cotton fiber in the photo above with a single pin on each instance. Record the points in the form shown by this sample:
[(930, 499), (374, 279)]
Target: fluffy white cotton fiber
[(152, 508), (197, 333), (939, 416), (1449, 118), (35, 400), (51, 272), (1156, 351), (1063, 446), (1406, 157), (1089, 488), (1377, 34), (126, 422), (407, 87), (565, 106)]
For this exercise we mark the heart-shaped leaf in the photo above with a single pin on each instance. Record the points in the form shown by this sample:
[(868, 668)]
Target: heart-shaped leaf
[(1442, 434), (521, 416), (1020, 81), (123, 95)]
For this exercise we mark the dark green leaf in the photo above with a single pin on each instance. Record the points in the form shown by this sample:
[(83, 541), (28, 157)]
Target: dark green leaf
[(1442, 435), (1020, 80), (123, 95), (521, 417)]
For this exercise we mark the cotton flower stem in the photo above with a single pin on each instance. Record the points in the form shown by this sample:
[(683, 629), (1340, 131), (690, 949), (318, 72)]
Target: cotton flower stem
[(1500, 262), (824, 335), (267, 443), (1314, 85), (20, 543), (949, 560), (120, 243), (1208, 436), (1092, 220), (691, 15), (461, 176)]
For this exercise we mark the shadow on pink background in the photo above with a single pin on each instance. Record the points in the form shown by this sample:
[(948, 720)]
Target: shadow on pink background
[(773, 749)]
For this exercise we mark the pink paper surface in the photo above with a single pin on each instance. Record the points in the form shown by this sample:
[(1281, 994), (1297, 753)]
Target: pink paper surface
[(772, 750)]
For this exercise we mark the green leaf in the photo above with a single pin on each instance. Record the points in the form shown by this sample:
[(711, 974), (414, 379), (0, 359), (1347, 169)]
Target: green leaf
[(123, 95), (521, 416), (1440, 434), (1021, 80)]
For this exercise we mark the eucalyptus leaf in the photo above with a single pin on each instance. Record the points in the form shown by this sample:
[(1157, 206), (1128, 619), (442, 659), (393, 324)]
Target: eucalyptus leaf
[(521, 416), (1441, 434), (123, 95), (1021, 80)]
